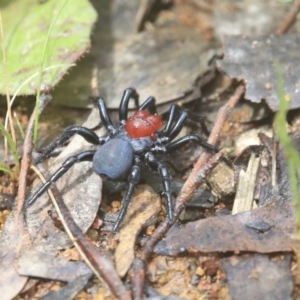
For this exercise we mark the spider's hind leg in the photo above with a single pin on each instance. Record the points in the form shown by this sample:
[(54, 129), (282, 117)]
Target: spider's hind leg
[(171, 119), (166, 180), (133, 180), (197, 119), (175, 130), (66, 166)]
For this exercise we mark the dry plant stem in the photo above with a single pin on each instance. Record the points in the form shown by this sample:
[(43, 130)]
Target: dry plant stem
[(11, 125), (201, 169), (145, 8), (27, 149), (98, 260), (289, 19), (244, 196), (94, 82)]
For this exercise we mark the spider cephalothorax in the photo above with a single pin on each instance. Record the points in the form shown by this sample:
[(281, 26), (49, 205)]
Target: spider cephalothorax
[(137, 139)]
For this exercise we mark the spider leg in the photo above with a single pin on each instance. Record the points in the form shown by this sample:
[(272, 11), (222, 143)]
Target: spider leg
[(150, 104), (133, 180), (184, 140), (106, 120), (123, 108), (168, 127), (89, 135), (83, 156), (178, 126), (197, 119), (166, 180), (172, 116)]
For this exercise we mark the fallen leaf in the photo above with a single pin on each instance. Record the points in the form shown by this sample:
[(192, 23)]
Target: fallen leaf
[(11, 282), (40, 264), (252, 59), (265, 230), (69, 291), (233, 17), (164, 63), (142, 212)]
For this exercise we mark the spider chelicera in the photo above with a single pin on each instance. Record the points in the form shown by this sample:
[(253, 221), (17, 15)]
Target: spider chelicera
[(137, 139)]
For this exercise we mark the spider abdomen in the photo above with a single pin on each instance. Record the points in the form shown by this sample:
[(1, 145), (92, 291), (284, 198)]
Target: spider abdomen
[(114, 159), (142, 124)]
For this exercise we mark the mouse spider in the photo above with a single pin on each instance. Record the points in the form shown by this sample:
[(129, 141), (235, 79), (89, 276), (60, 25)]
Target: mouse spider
[(135, 140)]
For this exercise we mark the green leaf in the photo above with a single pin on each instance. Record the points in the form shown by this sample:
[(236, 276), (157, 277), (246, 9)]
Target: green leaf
[(26, 24)]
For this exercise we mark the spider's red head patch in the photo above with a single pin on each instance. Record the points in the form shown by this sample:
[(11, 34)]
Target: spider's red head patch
[(142, 124)]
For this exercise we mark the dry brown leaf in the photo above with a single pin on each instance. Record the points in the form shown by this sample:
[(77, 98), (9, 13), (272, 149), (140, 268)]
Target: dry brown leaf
[(142, 212)]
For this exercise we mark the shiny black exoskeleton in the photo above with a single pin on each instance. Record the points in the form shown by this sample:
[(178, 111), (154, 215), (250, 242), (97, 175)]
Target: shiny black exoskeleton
[(121, 155)]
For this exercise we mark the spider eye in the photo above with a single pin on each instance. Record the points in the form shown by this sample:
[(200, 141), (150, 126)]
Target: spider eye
[(142, 124)]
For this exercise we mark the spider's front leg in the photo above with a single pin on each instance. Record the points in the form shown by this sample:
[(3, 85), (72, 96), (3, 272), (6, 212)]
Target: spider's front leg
[(166, 180), (83, 156), (89, 135), (133, 180), (150, 105), (105, 118), (128, 94)]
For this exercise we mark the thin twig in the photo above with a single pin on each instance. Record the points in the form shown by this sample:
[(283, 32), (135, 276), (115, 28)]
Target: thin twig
[(201, 169), (27, 149), (289, 19), (99, 260)]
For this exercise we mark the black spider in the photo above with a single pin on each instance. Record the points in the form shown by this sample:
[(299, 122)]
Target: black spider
[(135, 140)]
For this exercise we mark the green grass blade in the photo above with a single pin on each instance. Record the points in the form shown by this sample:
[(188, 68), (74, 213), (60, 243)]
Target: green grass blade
[(5, 170), (12, 145), (291, 154), (20, 128)]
